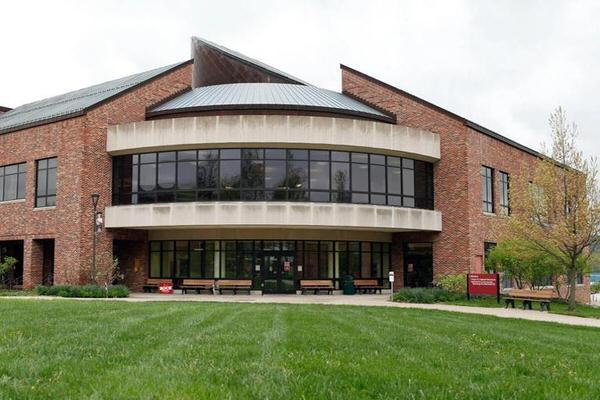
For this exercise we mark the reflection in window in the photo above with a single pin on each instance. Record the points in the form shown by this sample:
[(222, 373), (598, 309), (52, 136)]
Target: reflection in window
[(254, 174), (46, 183), (13, 181)]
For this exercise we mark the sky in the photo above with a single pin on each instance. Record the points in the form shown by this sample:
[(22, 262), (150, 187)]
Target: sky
[(503, 64)]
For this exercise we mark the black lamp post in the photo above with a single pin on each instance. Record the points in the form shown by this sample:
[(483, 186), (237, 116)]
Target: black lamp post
[(95, 198)]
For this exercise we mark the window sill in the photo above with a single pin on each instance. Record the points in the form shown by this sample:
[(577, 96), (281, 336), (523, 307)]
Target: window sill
[(12, 201), (44, 208), (487, 214)]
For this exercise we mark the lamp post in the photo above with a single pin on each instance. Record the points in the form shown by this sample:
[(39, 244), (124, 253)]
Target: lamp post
[(95, 198)]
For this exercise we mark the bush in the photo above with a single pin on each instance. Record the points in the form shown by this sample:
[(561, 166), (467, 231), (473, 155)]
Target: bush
[(425, 295), (595, 287), (85, 291), (456, 284)]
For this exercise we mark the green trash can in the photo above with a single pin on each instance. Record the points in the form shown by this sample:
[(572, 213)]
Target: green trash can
[(348, 285)]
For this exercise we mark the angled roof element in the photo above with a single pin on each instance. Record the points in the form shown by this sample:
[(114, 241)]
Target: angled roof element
[(215, 65), (465, 121), (4, 109), (267, 96), (75, 103)]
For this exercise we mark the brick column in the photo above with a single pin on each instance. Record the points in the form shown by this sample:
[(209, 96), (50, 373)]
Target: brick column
[(32, 263), (398, 261)]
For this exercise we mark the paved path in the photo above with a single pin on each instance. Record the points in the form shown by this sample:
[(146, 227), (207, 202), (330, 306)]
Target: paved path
[(357, 300)]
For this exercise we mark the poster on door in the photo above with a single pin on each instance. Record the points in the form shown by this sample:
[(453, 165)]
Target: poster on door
[(287, 266)]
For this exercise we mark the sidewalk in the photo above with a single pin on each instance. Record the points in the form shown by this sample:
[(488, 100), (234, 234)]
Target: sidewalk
[(357, 300)]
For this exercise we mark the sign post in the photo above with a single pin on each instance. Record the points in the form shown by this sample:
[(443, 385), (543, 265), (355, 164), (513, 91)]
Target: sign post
[(391, 279), (483, 285)]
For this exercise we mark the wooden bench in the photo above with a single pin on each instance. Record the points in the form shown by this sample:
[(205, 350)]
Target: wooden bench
[(152, 284), (316, 285), (527, 296), (367, 285), (234, 285), (197, 285)]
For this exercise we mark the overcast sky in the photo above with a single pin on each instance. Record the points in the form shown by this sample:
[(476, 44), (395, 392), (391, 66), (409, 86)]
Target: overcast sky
[(503, 64)]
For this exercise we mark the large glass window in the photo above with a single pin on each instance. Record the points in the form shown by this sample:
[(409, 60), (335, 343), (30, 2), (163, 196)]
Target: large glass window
[(45, 195), (504, 194), (231, 259), (487, 189), (13, 179), (255, 174)]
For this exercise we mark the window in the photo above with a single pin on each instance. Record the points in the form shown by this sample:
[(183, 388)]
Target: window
[(256, 174), (504, 194), (13, 179), (487, 248), (45, 195), (487, 189)]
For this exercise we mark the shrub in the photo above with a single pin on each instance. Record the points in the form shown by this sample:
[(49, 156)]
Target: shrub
[(85, 291), (595, 287), (425, 295), (456, 284)]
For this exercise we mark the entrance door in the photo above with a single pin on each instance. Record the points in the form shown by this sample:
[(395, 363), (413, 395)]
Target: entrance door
[(278, 272), (418, 264)]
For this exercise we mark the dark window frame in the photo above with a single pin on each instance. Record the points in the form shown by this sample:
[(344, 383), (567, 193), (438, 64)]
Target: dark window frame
[(487, 182), (21, 181), (504, 192), (133, 194), (49, 198)]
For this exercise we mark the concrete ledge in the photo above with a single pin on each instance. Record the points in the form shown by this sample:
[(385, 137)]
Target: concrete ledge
[(273, 215), (273, 131)]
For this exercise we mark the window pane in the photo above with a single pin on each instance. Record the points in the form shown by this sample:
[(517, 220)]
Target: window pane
[(186, 175), (320, 155), (297, 154), (166, 156), (275, 174), (147, 158), (51, 181), (231, 154), (340, 156), (297, 176), (1, 187), (377, 178), (186, 155), (253, 154), (167, 264), (408, 182), (377, 159), (147, 177), (275, 154), (319, 175), (10, 187), (360, 157), (207, 174), (252, 173), (155, 265), (208, 155), (393, 180), (230, 174), (166, 176), (393, 161), (360, 177), (21, 186)]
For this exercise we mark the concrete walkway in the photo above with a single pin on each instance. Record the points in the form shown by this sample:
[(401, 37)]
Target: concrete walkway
[(357, 300)]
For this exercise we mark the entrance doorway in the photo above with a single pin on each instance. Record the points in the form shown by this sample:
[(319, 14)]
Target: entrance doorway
[(14, 276), (418, 264), (47, 262), (277, 270)]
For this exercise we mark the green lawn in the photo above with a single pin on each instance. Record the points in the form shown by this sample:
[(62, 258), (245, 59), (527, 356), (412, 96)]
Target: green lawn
[(555, 307), (113, 350)]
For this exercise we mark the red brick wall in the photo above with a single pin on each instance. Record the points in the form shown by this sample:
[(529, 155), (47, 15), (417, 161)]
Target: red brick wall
[(84, 167), (457, 181)]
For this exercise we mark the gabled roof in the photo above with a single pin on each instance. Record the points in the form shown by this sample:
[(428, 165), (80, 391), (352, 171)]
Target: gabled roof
[(75, 103), (465, 121), (281, 76), (267, 96)]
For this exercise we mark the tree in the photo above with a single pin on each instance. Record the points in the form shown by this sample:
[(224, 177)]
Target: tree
[(524, 266), (557, 213), (6, 266)]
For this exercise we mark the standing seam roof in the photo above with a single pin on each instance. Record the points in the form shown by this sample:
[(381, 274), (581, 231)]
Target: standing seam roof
[(73, 103)]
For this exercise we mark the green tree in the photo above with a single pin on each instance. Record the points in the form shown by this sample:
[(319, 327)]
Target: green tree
[(557, 213)]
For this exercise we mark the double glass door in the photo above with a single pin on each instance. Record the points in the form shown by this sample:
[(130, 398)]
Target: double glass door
[(278, 271)]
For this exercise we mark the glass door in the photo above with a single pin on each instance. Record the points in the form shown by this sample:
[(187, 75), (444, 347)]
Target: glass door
[(278, 272)]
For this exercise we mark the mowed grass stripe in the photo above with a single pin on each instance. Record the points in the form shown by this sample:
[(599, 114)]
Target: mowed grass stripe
[(78, 350)]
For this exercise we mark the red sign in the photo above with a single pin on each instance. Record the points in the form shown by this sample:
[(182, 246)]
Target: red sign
[(483, 285), (165, 288)]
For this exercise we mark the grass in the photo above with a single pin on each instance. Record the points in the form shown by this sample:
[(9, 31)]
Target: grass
[(114, 350), (555, 307)]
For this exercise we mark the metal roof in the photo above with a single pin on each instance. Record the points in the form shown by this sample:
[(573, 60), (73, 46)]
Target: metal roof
[(75, 103), (261, 96), (249, 60)]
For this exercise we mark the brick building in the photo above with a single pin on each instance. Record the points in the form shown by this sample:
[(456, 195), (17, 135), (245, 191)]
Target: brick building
[(225, 167)]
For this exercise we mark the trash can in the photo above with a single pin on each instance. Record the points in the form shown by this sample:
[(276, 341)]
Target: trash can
[(348, 285)]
